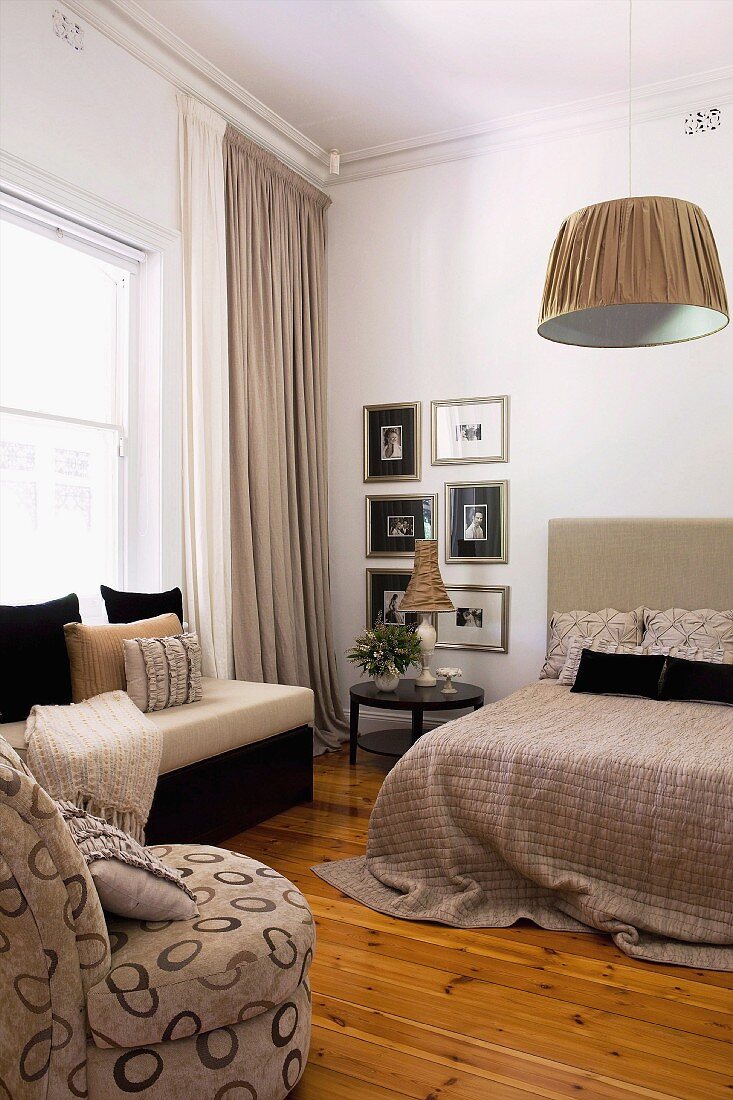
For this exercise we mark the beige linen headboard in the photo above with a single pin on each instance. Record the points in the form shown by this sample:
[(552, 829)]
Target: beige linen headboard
[(626, 563)]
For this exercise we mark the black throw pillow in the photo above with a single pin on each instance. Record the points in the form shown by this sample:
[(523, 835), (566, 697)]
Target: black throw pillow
[(619, 674), (697, 681), (129, 607), (34, 665)]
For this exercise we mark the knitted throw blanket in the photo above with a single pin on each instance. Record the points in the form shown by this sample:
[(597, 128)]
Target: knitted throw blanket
[(103, 755)]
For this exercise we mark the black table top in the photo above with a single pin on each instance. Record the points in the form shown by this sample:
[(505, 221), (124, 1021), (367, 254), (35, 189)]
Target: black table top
[(409, 697)]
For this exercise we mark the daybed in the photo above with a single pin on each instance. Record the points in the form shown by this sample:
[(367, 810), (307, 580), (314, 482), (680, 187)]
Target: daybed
[(240, 755)]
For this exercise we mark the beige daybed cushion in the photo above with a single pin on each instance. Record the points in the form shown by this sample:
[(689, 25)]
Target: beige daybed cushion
[(232, 713)]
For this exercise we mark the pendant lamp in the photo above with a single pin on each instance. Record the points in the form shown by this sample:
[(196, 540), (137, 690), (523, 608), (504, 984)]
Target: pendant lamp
[(633, 272)]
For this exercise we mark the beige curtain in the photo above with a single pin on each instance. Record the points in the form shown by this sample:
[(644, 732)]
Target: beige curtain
[(276, 273)]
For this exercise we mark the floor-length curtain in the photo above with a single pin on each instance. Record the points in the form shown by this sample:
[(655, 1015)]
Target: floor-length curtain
[(280, 572), (207, 545)]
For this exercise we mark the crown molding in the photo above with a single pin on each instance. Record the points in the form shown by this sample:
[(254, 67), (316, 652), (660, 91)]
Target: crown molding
[(132, 28), (650, 102), (27, 181)]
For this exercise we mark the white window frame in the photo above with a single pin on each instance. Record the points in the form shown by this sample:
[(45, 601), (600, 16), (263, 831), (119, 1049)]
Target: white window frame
[(131, 260)]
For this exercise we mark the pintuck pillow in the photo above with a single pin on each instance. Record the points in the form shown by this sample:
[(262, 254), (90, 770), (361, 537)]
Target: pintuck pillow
[(34, 665), (577, 645), (96, 653), (609, 625), (163, 672), (130, 607), (130, 880), (705, 628)]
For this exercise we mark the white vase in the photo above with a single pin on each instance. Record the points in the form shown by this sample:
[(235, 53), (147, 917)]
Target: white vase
[(387, 683)]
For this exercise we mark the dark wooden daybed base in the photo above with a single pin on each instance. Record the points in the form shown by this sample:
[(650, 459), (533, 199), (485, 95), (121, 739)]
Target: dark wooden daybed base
[(222, 795)]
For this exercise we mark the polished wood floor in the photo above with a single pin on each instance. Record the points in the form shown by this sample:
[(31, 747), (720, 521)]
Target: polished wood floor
[(418, 1010)]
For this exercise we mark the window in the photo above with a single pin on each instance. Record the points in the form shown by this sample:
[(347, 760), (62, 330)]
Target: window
[(66, 306)]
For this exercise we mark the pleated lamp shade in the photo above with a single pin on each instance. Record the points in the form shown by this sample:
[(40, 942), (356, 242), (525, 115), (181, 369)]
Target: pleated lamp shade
[(633, 273), (426, 591)]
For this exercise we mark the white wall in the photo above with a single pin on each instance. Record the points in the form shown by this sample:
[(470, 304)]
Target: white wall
[(101, 127), (435, 278)]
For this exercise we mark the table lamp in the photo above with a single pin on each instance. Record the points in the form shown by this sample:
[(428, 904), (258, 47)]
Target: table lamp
[(426, 593)]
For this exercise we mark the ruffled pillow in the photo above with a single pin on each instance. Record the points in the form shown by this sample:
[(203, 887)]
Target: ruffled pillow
[(163, 672), (130, 880)]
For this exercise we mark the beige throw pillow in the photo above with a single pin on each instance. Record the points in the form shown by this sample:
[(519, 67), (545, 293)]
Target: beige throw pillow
[(96, 653), (704, 628), (130, 880), (163, 672), (576, 646), (609, 625)]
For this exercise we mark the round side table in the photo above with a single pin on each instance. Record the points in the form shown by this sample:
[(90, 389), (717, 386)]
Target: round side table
[(407, 697)]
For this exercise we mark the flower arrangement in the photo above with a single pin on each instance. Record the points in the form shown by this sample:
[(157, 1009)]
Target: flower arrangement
[(386, 650)]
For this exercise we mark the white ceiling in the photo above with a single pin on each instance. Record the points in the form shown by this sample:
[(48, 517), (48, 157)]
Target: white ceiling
[(355, 74)]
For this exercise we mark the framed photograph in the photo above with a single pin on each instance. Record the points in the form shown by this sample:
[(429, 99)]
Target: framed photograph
[(394, 522), (384, 590), (473, 429), (480, 620), (392, 442), (476, 521)]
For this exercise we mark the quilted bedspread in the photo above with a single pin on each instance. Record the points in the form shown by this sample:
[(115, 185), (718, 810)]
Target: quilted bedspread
[(578, 812)]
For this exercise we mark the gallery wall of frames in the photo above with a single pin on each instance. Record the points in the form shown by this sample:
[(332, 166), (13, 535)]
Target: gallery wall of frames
[(473, 529)]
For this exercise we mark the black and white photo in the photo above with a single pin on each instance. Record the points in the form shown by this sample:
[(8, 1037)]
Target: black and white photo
[(392, 443), (469, 616), (470, 430), (392, 616), (481, 619), (393, 523), (476, 521), (400, 527)]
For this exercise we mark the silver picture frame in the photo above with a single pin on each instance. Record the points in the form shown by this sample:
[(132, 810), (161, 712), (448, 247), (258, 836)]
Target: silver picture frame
[(373, 548), (472, 452), (482, 495), (406, 467), (400, 578), (447, 622)]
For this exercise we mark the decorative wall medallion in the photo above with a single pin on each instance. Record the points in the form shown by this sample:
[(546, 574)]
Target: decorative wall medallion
[(698, 122), (67, 29)]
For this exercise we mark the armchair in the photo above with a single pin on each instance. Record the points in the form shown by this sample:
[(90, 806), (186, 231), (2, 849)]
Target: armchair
[(106, 1007)]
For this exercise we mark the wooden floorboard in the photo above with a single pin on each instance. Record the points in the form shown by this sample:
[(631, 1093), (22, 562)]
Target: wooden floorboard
[(403, 1009)]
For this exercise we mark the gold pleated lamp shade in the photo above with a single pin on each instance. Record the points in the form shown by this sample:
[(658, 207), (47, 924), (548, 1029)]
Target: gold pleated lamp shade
[(426, 591), (633, 273)]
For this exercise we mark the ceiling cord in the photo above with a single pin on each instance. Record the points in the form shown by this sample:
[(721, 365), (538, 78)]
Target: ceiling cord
[(630, 94)]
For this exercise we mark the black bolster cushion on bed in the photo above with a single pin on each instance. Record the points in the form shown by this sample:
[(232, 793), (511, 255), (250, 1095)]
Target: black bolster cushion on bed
[(619, 674), (696, 681)]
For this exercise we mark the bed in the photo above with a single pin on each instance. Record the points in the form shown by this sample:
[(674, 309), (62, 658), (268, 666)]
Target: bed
[(578, 812)]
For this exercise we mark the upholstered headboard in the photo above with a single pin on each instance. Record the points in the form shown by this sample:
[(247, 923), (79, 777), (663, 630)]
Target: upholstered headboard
[(626, 563)]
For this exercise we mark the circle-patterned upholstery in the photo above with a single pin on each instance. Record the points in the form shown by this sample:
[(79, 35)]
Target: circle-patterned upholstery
[(246, 953), (260, 1059)]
